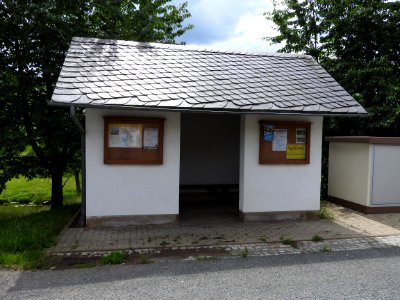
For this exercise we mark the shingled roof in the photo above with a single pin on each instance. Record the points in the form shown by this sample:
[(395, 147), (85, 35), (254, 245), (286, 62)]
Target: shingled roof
[(113, 73)]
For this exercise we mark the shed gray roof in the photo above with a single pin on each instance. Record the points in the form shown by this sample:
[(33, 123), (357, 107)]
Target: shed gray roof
[(113, 73)]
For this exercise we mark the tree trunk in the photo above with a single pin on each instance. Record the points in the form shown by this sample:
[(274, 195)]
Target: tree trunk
[(77, 182), (56, 189)]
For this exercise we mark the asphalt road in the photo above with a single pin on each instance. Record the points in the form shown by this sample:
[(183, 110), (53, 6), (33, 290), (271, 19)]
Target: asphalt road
[(363, 274)]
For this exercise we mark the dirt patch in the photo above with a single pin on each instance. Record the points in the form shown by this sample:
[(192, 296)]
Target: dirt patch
[(75, 261), (177, 254)]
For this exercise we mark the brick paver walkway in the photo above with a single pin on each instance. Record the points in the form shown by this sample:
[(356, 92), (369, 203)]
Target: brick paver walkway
[(369, 225), (348, 230)]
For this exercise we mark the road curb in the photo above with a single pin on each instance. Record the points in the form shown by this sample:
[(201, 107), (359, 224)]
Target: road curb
[(262, 249)]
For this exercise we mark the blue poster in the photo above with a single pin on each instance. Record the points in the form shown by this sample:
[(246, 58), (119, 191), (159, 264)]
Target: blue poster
[(268, 133)]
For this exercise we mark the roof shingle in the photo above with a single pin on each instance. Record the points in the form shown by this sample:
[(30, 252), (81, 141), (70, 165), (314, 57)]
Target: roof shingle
[(129, 74)]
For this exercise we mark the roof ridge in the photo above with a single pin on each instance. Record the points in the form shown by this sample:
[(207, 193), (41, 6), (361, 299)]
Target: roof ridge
[(188, 48)]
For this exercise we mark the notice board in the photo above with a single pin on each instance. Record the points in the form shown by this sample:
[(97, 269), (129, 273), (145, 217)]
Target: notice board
[(133, 140), (284, 142)]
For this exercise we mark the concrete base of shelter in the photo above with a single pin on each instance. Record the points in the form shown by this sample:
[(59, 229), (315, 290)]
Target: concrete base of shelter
[(363, 208), (279, 215), (115, 221)]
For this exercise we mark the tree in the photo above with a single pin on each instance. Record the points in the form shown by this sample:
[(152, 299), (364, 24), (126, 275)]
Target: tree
[(358, 42), (37, 139), (300, 26), (139, 20)]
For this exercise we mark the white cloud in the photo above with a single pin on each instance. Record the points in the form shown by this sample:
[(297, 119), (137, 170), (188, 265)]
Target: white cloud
[(230, 25), (248, 35)]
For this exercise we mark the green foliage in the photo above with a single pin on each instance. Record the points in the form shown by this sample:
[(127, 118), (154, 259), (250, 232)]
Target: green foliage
[(37, 139), (114, 258), (300, 26), (26, 232), (36, 190), (358, 43), (244, 253), (139, 20)]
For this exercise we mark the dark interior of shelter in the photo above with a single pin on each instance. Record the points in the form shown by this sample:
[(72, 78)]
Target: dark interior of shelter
[(209, 167), (212, 203)]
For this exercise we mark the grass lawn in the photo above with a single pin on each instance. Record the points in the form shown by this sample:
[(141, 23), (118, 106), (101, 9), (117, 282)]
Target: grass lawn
[(26, 231), (37, 190)]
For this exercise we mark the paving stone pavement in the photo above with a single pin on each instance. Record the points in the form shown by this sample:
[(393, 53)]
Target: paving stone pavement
[(347, 231)]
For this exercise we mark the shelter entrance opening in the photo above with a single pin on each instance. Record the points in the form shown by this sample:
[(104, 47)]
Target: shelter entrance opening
[(209, 167)]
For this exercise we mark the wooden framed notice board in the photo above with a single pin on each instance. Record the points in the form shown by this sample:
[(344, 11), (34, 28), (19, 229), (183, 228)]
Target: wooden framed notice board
[(133, 140), (284, 142)]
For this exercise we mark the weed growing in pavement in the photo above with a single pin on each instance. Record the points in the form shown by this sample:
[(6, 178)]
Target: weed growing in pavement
[(287, 240), (326, 249), (114, 258), (324, 212), (143, 259), (164, 243), (317, 238), (244, 253)]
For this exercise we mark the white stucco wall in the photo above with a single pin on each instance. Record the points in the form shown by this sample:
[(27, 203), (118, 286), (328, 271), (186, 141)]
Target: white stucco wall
[(117, 190), (209, 149), (274, 188), (349, 176)]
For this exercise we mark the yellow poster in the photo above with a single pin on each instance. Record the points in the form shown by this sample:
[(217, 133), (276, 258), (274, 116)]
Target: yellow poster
[(296, 151)]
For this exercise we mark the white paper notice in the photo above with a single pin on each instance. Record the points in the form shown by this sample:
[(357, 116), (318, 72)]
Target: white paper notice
[(150, 138), (280, 140), (136, 137), (125, 136)]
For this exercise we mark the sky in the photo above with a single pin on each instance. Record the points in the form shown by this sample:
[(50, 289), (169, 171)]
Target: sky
[(237, 25)]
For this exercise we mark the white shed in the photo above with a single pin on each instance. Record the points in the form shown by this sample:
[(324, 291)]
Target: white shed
[(163, 117), (364, 173)]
